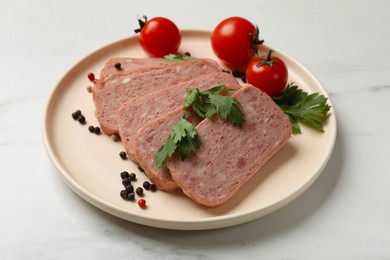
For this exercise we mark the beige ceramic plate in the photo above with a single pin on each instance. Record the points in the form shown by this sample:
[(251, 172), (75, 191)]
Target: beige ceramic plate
[(91, 166)]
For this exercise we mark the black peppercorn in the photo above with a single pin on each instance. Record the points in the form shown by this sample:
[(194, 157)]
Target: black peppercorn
[(123, 155), (131, 196), (129, 188), (123, 194), (96, 130), (126, 181), (146, 185), (243, 77), (125, 174), (91, 128), (236, 73), (81, 119), (139, 191), (153, 187), (76, 114), (118, 66), (133, 176)]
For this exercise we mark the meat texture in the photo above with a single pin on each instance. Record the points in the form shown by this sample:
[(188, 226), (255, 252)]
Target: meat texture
[(228, 155), (129, 65), (133, 114), (150, 138), (121, 88)]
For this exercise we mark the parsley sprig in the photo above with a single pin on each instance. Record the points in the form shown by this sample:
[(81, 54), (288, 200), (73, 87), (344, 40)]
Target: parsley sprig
[(207, 103), (299, 106), (183, 137)]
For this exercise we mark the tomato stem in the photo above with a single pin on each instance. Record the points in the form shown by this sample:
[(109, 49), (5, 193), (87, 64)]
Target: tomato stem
[(141, 23), (255, 40), (267, 60)]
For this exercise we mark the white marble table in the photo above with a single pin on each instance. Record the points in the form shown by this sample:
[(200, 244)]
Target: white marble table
[(344, 214)]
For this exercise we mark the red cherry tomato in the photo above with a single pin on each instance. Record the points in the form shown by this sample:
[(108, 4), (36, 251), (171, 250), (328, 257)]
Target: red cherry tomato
[(235, 41), (268, 73), (159, 36)]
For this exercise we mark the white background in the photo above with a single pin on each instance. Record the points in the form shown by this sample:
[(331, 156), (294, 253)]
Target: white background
[(344, 215)]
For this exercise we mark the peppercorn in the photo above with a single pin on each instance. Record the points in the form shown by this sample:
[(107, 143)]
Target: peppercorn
[(131, 196), (126, 181), (125, 174), (118, 66), (140, 168), (96, 130), (236, 73), (81, 119), (146, 185), (153, 187), (142, 203), (91, 128), (129, 188), (123, 154), (139, 191), (123, 194), (243, 77), (76, 114), (133, 176)]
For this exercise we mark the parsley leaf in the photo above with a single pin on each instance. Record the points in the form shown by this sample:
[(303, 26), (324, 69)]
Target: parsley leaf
[(299, 106), (209, 102), (183, 137), (178, 57)]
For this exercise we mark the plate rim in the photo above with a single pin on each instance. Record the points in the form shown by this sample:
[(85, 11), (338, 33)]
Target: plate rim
[(213, 222)]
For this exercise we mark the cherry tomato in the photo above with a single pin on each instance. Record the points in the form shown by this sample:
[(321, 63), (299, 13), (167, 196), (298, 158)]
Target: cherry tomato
[(235, 41), (268, 74), (159, 36)]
